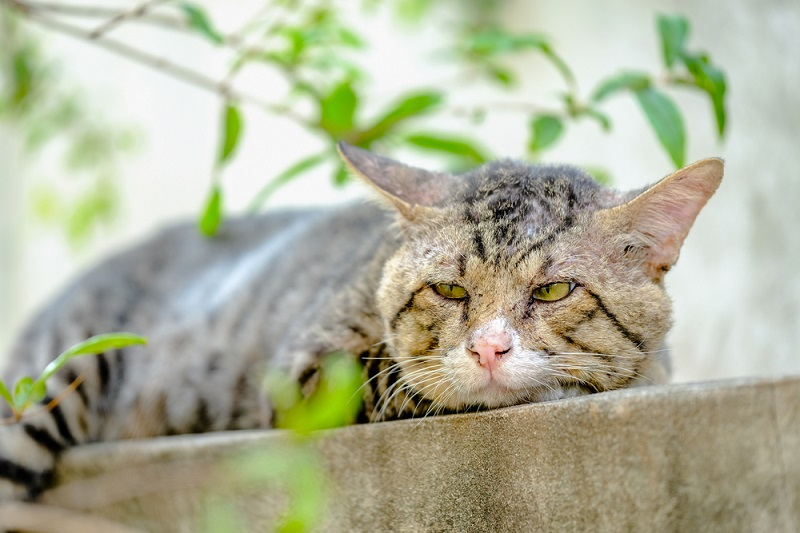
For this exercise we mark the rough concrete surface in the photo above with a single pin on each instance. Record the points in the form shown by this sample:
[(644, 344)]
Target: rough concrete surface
[(722, 456)]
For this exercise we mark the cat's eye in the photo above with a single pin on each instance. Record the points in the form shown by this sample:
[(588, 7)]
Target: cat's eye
[(454, 292), (553, 291)]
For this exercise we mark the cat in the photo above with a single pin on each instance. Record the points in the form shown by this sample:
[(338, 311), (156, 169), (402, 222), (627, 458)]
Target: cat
[(509, 284)]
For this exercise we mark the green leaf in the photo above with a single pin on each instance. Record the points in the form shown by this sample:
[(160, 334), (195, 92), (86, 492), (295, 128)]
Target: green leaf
[(448, 144), (197, 19), (302, 166), (601, 118), (91, 346), (498, 41), (600, 175), (711, 80), (342, 176), (5, 394), (212, 214), (337, 110), (22, 392), (673, 30), (411, 106), (625, 81), (231, 130), (545, 130), (666, 120)]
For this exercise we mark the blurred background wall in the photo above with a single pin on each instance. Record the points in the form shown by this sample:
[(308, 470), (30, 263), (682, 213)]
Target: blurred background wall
[(736, 287)]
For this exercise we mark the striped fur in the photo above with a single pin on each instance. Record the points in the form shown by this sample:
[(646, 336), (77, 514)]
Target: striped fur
[(282, 290)]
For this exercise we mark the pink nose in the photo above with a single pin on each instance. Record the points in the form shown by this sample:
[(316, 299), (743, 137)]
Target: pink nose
[(490, 348)]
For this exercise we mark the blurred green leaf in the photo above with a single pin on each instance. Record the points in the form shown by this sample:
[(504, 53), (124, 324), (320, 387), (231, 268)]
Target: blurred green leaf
[(545, 131), (499, 41), (91, 346), (231, 131), (411, 106), (600, 117), (673, 30), (711, 80), (97, 204), (302, 166), (337, 110), (5, 394), (22, 392), (666, 120), (197, 19), (448, 144), (601, 175), (625, 81), (342, 176), (333, 403), (212, 214)]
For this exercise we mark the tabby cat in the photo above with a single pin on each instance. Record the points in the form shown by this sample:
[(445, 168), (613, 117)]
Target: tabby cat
[(509, 284)]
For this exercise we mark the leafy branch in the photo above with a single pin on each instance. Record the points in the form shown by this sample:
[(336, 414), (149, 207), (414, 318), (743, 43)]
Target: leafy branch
[(28, 391), (309, 46)]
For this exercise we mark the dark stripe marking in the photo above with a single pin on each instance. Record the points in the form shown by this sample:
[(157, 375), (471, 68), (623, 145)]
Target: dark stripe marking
[(632, 337), (70, 376), (44, 438), (61, 423), (103, 373), (407, 307), (34, 481)]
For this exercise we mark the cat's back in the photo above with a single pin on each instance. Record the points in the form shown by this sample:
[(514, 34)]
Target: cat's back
[(180, 279)]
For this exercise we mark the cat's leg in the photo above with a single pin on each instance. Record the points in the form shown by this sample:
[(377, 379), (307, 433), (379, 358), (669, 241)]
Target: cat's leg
[(30, 447)]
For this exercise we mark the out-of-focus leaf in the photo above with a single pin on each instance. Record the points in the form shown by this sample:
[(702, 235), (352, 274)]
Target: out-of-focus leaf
[(231, 132), (673, 30), (5, 394), (333, 403), (625, 81), (212, 214), (97, 204), (410, 106), (600, 175), (711, 80), (337, 110), (448, 144), (601, 118), (498, 41), (197, 19), (342, 176), (91, 346), (302, 166), (22, 393), (545, 130), (666, 120)]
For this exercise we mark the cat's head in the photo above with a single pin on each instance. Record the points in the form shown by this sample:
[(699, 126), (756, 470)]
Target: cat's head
[(521, 283)]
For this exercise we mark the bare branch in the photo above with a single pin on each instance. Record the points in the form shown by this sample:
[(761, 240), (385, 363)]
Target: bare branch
[(137, 12)]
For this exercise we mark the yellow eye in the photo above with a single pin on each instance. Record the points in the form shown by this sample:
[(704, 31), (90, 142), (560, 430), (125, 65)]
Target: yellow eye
[(453, 292), (553, 291)]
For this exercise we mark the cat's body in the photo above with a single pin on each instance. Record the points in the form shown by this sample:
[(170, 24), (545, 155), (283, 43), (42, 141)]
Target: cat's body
[(510, 284)]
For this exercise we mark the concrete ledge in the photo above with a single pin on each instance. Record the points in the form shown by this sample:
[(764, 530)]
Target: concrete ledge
[(721, 456)]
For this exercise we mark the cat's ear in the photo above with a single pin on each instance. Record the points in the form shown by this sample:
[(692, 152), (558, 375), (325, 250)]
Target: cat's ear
[(410, 189), (656, 222)]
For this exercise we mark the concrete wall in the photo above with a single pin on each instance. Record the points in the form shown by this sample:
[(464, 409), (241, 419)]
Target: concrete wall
[(721, 456)]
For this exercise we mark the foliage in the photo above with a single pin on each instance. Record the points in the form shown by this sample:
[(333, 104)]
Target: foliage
[(292, 466), (51, 116), (28, 391), (311, 48)]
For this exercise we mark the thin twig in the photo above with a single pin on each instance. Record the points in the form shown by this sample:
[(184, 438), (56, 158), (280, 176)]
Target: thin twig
[(187, 75), (135, 13)]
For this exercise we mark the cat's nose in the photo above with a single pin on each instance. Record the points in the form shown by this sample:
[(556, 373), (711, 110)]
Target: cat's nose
[(489, 349)]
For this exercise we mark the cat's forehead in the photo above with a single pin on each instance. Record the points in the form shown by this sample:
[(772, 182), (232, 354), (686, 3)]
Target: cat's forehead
[(509, 187), (508, 212)]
